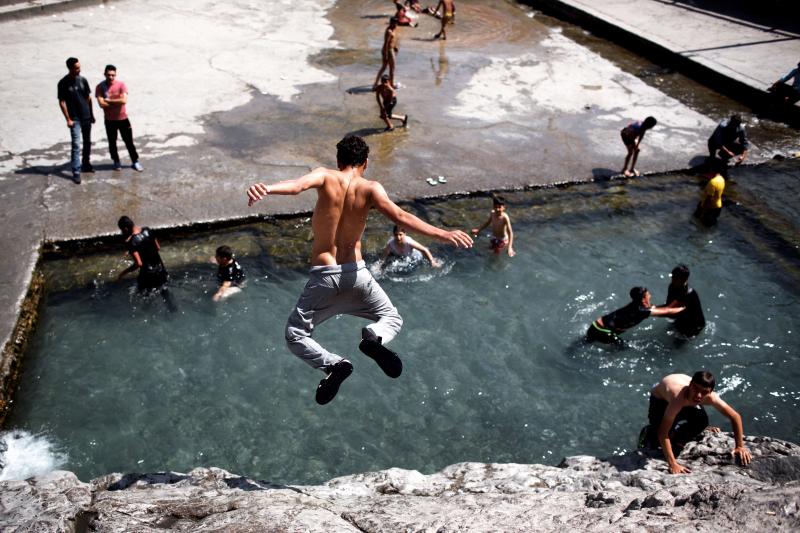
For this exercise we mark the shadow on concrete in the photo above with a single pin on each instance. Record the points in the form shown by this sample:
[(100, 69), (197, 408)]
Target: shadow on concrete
[(776, 15), (366, 132), (59, 171), (127, 480), (602, 174), (698, 162), (361, 89)]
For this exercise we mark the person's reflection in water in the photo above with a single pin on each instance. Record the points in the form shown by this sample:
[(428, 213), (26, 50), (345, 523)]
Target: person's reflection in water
[(444, 66)]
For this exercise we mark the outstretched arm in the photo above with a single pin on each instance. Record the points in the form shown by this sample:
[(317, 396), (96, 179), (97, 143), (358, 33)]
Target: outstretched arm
[(312, 180), (666, 311), (739, 449), (406, 220), (427, 253)]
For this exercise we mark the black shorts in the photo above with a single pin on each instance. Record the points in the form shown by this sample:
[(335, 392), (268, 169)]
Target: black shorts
[(596, 333), (687, 426), (152, 279), (389, 106)]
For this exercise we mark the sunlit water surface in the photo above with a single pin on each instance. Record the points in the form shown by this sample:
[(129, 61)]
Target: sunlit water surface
[(494, 367)]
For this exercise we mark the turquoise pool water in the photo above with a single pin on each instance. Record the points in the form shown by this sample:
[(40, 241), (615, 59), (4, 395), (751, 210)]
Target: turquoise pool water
[(494, 367)]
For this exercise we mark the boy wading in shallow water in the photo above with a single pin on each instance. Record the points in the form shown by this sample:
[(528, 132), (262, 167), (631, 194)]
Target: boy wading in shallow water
[(502, 234), (339, 281), (632, 136)]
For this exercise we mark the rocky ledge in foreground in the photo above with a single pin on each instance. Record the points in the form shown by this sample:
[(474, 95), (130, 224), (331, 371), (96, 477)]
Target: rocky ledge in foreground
[(630, 492)]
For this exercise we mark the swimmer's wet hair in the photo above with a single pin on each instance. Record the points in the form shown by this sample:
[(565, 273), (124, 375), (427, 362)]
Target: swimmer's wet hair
[(71, 62), (705, 379), (680, 272), (351, 151), (125, 223), (109, 67), (385, 77), (637, 293), (736, 118), (397, 229), (649, 122), (498, 200), (225, 252)]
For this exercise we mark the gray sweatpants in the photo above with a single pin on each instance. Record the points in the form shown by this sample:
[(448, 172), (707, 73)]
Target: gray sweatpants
[(347, 289)]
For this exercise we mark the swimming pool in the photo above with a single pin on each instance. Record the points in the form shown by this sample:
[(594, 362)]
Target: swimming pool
[(494, 367)]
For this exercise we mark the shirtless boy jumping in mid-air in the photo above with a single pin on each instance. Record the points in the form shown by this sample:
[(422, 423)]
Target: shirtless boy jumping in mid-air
[(339, 281)]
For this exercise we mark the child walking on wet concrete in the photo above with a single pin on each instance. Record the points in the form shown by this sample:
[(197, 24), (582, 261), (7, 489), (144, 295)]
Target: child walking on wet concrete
[(387, 99)]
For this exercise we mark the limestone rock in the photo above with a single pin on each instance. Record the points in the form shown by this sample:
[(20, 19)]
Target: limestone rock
[(630, 492)]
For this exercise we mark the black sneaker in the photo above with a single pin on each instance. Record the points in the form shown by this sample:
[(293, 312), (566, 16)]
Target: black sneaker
[(372, 347), (329, 386), (87, 168), (76, 177)]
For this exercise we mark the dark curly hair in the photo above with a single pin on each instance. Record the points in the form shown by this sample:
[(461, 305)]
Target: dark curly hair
[(351, 151)]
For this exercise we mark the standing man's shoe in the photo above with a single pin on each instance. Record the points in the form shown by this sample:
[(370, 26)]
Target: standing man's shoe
[(137, 167), (87, 168), (76, 177), (117, 166)]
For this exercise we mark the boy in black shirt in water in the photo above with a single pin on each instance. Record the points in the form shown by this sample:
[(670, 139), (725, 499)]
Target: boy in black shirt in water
[(230, 274), (607, 328), (143, 248), (690, 321)]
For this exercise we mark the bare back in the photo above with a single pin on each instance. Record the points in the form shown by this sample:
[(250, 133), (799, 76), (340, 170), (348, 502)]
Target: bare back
[(343, 203)]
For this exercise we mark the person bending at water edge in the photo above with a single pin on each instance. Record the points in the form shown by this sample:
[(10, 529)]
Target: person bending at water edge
[(607, 328), (339, 281), (677, 417)]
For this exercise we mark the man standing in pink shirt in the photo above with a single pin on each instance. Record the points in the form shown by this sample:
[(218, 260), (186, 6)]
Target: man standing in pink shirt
[(112, 95)]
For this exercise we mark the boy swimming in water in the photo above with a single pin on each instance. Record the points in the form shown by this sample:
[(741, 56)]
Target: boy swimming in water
[(690, 321), (230, 273), (401, 245), (339, 280), (502, 234)]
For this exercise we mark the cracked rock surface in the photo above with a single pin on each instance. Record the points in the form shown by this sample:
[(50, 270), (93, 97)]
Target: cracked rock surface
[(632, 492)]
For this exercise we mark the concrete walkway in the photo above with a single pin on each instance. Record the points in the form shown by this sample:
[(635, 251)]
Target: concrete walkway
[(721, 39), (229, 94)]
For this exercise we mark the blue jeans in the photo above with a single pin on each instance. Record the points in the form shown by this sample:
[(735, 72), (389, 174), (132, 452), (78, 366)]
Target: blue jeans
[(81, 130)]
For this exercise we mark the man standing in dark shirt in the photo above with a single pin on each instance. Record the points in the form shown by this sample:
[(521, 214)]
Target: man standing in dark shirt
[(690, 321), (75, 101), (230, 274), (607, 328)]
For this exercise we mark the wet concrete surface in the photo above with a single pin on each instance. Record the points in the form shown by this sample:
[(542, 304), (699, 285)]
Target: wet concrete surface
[(228, 95)]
